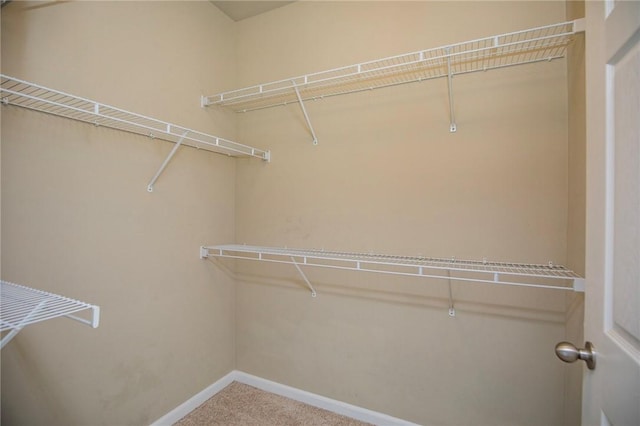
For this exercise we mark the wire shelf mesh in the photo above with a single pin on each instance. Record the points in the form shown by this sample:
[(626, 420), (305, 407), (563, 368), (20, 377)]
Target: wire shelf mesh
[(519, 274), (533, 45), (21, 306), (32, 96)]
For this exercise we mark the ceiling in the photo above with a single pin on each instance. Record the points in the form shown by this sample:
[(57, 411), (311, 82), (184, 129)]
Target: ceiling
[(241, 9)]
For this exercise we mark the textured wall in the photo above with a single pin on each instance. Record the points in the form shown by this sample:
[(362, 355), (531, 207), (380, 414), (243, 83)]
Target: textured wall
[(77, 219), (388, 177)]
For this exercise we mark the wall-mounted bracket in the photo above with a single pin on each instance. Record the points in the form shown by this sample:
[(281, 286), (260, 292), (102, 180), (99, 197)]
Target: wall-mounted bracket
[(166, 161), (304, 112), (452, 118), (304, 277), (204, 252), (452, 309), (579, 25)]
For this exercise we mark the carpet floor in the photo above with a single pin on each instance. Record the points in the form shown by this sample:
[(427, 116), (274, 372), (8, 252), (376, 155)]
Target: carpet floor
[(243, 405)]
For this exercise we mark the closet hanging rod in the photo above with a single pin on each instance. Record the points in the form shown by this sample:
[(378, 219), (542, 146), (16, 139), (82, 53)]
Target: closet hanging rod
[(537, 44), (517, 274), (32, 96), (21, 306)]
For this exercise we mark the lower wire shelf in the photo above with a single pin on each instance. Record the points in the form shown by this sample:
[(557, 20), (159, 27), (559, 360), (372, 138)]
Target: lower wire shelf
[(21, 306), (548, 276)]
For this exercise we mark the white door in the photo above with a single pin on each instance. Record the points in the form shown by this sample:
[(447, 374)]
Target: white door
[(611, 392)]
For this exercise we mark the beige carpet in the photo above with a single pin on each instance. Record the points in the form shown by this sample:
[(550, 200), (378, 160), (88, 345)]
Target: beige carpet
[(243, 405)]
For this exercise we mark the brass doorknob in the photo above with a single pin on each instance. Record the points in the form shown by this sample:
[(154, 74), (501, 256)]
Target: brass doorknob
[(569, 353)]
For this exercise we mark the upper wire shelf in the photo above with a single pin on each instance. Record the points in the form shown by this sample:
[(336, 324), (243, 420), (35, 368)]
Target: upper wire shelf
[(548, 276), (32, 96), (21, 306), (544, 43)]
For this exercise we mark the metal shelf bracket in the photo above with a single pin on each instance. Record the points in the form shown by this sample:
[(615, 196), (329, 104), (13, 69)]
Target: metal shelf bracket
[(304, 277), (166, 161), (452, 309), (204, 254), (452, 118), (304, 112)]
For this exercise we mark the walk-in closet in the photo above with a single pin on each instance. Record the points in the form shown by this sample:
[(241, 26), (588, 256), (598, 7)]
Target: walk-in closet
[(378, 208)]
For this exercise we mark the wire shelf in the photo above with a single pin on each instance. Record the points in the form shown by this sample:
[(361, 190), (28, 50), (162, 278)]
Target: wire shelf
[(35, 97), (21, 306), (516, 274), (522, 47)]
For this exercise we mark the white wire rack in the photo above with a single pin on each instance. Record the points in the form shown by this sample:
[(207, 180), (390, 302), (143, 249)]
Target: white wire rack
[(32, 96), (531, 45), (544, 43), (21, 306), (39, 98), (515, 274)]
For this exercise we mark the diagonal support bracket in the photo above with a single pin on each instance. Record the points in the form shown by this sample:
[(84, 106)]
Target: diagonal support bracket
[(452, 309), (95, 317), (452, 118), (304, 112), (306, 280), (166, 161), (18, 327)]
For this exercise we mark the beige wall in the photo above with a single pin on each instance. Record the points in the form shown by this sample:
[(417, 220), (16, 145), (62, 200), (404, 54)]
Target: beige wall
[(388, 177), (577, 207), (77, 219), (577, 144)]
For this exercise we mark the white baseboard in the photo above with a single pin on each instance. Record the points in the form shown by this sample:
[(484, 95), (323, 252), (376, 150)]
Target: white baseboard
[(338, 407), (195, 401)]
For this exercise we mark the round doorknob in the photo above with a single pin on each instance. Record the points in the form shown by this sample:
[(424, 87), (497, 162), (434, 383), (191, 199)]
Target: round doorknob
[(569, 353)]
